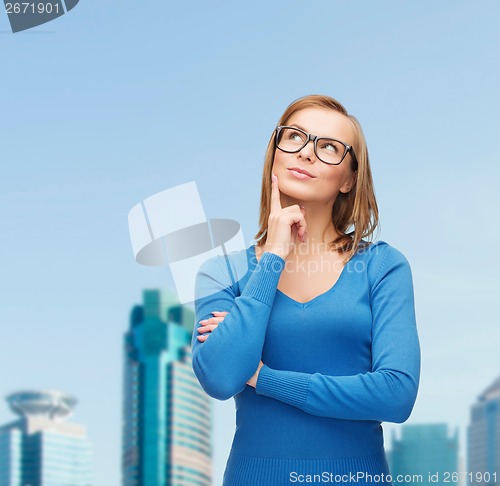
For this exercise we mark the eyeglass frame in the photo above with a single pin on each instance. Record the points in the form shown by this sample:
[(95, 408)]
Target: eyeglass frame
[(315, 138)]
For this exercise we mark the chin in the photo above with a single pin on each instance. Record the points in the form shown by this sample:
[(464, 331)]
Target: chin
[(296, 189)]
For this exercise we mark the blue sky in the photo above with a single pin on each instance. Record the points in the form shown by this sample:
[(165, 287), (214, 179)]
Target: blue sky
[(116, 101)]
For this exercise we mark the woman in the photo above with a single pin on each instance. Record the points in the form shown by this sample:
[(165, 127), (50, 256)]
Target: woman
[(317, 341)]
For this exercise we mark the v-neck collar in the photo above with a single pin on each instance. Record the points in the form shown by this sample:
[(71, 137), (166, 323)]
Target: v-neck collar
[(319, 297)]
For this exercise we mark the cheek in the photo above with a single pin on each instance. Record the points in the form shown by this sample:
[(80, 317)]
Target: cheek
[(280, 161), (332, 180), (328, 176), (334, 176)]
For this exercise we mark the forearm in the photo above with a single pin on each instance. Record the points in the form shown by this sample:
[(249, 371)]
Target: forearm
[(384, 395)]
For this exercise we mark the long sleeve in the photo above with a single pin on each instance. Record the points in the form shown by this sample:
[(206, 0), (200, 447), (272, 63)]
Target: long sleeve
[(386, 393), (230, 356)]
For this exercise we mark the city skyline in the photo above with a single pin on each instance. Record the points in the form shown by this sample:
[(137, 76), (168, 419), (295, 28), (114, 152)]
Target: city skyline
[(157, 302), (164, 302)]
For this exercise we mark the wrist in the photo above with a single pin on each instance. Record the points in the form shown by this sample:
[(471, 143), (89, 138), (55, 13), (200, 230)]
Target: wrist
[(259, 371), (279, 250)]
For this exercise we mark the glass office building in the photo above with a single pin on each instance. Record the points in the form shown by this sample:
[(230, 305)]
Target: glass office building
[(423, 453), (167, 416), (40, 449), (483, 438)]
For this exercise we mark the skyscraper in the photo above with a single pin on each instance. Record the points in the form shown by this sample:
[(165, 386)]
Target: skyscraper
[(167, 415), (424, 452), (40, 449), (483, 438)]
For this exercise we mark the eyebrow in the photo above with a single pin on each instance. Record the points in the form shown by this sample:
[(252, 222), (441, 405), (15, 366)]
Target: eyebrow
[(302, 128)]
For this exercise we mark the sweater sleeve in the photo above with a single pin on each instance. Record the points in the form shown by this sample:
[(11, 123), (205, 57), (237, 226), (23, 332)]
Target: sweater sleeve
[(230, 356), (386, 393)]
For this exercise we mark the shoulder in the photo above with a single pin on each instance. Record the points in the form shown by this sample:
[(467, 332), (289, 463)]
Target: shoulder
[(225, 268), (380, 249), (381, 258)]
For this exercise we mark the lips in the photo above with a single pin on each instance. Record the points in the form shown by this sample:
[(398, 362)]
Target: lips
[(302, 171)]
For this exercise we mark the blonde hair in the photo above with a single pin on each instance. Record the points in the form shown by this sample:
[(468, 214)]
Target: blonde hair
[(356, 208)]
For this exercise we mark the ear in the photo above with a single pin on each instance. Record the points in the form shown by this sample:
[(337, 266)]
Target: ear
[(349, 183)]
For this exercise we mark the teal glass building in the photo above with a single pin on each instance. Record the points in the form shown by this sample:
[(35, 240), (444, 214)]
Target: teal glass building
[(40, 449), (483, 438), (423, 453), (167, 425)]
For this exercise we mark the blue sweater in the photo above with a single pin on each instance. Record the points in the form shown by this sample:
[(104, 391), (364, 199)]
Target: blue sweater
[(335, 367)]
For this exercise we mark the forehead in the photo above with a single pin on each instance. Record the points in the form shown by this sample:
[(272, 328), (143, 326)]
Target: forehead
[(324, 123)]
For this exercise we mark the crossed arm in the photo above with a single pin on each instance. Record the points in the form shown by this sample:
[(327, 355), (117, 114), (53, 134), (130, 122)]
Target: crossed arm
[(387, 393), (226, 361)]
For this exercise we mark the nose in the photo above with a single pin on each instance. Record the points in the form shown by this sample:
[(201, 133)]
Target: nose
[(307, 151)]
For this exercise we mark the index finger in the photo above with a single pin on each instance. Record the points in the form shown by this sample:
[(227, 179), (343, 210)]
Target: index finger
[(275, 194)]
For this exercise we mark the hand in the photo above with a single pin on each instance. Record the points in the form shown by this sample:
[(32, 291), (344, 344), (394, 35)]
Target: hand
[(253, 381), (284, 224), (210, 324)]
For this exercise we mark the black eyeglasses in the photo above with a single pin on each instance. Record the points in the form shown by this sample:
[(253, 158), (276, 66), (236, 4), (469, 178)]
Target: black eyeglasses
[(328, 150)]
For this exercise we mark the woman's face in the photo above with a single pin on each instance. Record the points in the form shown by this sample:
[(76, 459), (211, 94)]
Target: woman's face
[(327, 180)]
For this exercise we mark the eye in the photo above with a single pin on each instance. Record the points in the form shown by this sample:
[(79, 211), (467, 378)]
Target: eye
[(294, 135), (330, 146)]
